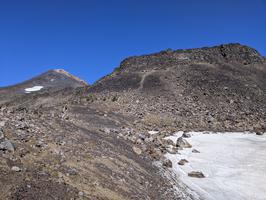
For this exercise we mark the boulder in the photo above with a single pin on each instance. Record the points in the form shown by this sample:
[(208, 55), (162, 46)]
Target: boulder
[(22, 125), (2, 124), (182, 162), (182, 143), (137, 150), (155, 153), (7, 146), (1, 134), (186, 135), (167, 163), (195, 151), (259, 133), (172, 150), (15, 169), (168, 142), (196, 174), (81, 194)]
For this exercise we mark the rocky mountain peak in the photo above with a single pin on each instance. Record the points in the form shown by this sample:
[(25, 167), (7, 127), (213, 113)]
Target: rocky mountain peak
[(48, 82), (225, 53), (63, 72)]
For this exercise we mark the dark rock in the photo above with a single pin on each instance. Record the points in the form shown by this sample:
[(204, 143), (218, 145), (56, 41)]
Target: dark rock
[(195, 151), (259, 133), (182, 162), (196, 174), (1, 134), (169, 142), (186, 135), (167, 163), (155, 153), (22, 125), (182, 143), (7, 146), (173, 150)]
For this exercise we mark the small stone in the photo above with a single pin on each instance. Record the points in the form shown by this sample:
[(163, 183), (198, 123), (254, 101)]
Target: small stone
[(167, 163), (15, 169), (1, 134), (2, 123), (137, 150), (182, 162), (172, 150), (142, 136), (39, 144), (259, 133), (155, 153), (196, 174), (139, 141), (107, 130), (148, 140), (186, 135), (7, 146), (169, 142), (182, 143), (195, 151), (81, 194)]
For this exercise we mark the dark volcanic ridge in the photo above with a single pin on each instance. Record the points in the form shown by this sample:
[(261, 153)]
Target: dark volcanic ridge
[(234, 53), (215, 88)]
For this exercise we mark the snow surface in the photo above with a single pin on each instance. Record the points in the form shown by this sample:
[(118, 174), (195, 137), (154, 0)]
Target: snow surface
[(33, 89), (234, 165)]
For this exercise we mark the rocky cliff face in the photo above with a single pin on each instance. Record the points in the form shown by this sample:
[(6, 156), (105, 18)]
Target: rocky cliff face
[(62, 139)]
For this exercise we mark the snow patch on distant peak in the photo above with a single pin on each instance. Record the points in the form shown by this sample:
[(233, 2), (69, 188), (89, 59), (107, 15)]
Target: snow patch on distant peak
[(33, 89), (62, 71)]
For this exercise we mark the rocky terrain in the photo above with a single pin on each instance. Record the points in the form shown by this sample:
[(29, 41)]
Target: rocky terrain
[(63, 139)]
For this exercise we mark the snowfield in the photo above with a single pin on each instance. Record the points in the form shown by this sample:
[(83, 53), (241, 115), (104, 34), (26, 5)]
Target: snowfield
[(234, 165), (33, 89)]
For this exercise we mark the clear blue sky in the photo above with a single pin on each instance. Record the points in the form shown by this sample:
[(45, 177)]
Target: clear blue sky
[(89, 38)]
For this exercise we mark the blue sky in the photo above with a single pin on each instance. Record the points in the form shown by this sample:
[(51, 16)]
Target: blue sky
[(89, 38)]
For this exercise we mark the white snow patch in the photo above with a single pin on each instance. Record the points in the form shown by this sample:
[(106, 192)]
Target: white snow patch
[(234, 165), (33, 89), (153, 132)]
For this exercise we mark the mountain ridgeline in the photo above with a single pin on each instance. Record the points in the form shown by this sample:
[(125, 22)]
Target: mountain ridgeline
[(61, 138)]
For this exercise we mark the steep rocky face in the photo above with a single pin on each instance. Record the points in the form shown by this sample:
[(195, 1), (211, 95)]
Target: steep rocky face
[(220, 87)]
